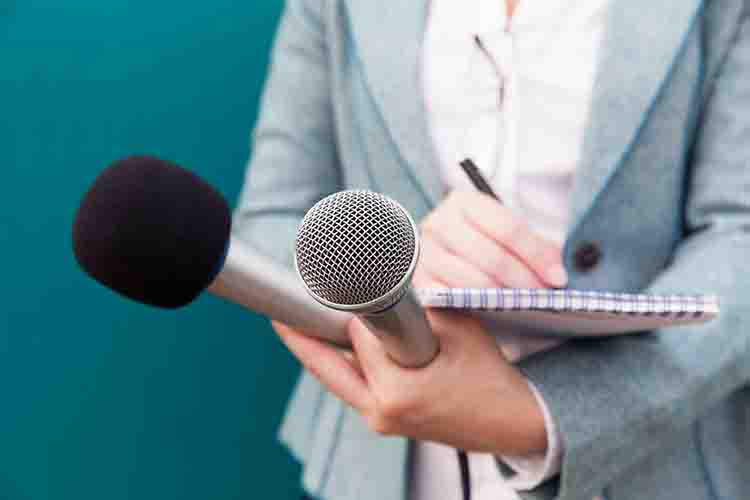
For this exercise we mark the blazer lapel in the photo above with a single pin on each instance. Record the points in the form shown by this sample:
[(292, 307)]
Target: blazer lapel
[(641, 42), (388, 37)]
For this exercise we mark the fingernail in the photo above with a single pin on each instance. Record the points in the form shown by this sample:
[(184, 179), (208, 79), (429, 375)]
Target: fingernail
[(557, 276)]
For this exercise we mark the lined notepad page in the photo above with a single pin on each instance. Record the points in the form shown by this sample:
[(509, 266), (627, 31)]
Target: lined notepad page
[(575, 312)]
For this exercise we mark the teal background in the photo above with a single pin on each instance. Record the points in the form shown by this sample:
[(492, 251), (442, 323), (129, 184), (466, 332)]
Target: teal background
[(102, 398)]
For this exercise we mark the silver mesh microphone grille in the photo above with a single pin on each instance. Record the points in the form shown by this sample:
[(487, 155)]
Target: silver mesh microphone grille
[(354, 247)]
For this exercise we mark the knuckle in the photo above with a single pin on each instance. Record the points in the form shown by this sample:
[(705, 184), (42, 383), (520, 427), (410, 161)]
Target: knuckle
[(394, 408), (380, 425)]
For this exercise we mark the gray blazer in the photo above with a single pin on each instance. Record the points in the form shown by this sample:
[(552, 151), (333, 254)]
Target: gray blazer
[(663, 189)]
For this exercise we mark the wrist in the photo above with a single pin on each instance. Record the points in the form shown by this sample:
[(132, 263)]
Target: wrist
[(522, 424)]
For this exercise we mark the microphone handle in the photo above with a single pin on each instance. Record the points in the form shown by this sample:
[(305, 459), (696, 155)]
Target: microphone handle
[(262, 285), (405, 332)]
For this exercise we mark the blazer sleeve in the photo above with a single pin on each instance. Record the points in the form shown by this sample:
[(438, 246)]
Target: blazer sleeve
[(294, 161), (616, 401)]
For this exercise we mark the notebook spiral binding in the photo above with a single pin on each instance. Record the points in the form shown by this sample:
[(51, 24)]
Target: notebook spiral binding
[(571, 301)]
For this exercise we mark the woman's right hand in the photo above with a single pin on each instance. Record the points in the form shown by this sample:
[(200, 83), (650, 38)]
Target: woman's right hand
[(471, 240)]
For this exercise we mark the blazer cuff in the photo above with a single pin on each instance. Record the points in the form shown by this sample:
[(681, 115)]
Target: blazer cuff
[(534, 469)]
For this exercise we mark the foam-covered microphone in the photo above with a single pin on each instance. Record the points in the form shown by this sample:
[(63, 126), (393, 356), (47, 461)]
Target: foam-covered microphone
[(356, 251), (160, 235)]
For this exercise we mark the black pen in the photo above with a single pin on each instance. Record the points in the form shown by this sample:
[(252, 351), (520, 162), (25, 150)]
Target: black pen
[(476, 178)]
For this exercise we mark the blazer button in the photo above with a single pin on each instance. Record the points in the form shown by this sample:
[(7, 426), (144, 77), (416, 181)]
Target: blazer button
[(587, 256)]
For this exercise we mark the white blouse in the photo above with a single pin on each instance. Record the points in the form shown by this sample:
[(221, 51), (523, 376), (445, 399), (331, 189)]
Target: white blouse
[(514, 96)]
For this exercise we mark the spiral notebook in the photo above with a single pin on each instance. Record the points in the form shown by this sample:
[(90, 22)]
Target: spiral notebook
[(573, 313)]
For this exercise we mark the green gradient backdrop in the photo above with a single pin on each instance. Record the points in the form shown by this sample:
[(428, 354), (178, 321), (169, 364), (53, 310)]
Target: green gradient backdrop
[(101, 398)]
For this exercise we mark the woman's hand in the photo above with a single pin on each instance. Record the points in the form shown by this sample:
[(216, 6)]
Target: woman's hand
[(471, 240), (469, 397)]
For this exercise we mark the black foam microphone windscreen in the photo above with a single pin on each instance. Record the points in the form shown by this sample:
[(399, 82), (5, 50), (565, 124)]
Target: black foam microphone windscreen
[(152, 231)]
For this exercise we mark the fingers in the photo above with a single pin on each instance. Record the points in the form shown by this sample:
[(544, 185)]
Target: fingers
[(472, 226), (396, 391), (353, 361), (483, 264), (447, 267), (500, 224), (327, 365)]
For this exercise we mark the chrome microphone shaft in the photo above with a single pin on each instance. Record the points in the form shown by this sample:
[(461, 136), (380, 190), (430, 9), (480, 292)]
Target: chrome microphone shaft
[(260, 284), (405, 332)]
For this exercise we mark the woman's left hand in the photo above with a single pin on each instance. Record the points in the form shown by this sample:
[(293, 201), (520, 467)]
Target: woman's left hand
[(469, 397)]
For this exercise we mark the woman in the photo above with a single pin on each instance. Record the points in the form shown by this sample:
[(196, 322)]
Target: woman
[(617, 135)]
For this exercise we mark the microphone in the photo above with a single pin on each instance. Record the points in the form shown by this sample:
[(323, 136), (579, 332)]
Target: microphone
[(356, 251), (158, 234)]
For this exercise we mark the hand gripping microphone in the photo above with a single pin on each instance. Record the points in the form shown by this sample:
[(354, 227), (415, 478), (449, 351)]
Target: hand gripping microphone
[(356, 251), (160, 235)]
